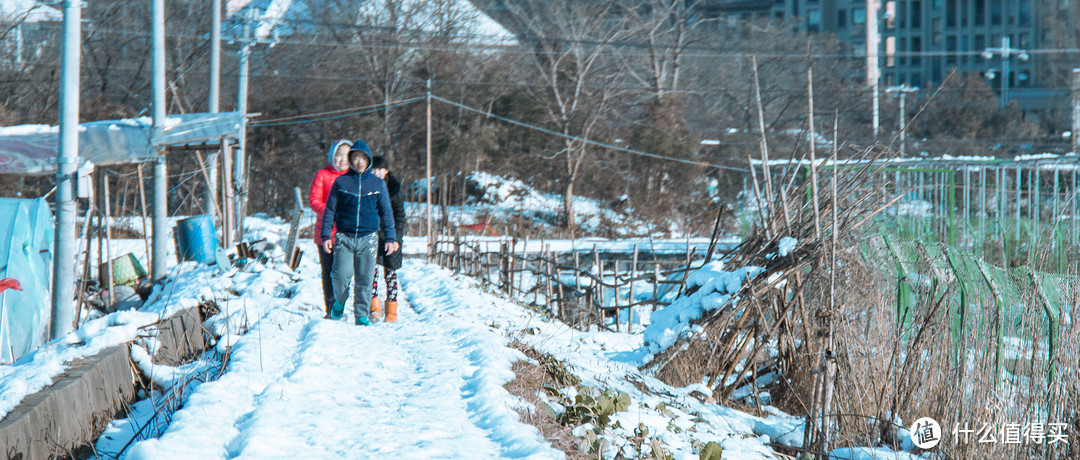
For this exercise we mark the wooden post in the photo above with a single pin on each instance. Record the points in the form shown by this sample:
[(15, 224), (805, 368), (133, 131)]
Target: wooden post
[(524, 264), (228, 197), (599, 282), (294, 229), (656, 286), (86, 265), (577, 274), (547, 285), (108, 278), (615, 296), (560, 310), (457, 251), (813, 142), (142, 211)]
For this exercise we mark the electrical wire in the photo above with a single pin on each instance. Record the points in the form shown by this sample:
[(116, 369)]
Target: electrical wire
[(299, 119), (585, 140)]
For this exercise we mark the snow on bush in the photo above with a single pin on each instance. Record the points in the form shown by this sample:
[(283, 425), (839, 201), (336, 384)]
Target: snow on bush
[(708, 288)]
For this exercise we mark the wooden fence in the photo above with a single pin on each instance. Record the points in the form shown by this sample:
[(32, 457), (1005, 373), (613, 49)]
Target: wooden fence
[(580, 287)]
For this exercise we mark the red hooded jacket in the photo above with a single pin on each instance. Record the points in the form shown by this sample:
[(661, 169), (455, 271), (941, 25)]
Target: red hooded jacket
[(320, 188)]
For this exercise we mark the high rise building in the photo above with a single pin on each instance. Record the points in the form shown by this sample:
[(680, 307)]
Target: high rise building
[(922, 40)]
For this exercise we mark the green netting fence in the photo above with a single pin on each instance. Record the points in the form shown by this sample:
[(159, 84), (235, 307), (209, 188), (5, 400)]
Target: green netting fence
[(1020, 307)]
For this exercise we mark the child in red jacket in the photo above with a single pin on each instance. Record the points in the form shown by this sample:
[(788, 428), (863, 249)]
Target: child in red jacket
[(338, 156)]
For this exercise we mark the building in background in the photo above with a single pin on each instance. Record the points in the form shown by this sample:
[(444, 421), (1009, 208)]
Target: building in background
[(921, 41)]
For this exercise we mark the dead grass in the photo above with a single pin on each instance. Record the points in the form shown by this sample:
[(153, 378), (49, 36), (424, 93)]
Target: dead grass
[(528, 384)]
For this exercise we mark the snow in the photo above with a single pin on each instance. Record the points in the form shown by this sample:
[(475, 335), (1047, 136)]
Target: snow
[(30, 11), (710, 287), (429, 386), (503, 199), (282, 17)]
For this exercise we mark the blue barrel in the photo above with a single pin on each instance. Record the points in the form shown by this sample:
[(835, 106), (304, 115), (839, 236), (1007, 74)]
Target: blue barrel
[(196, 239)]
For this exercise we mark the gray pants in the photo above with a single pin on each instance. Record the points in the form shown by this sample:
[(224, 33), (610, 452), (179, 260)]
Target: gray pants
[(354, 256)]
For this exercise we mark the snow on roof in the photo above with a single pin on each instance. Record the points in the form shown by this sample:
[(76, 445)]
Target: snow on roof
[(28, 11), (281, 17)]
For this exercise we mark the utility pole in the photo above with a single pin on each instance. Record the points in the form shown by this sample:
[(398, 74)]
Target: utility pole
[(1076, 111), (210, 195), (1006, 52), (239, 176), (902, 90), (63, 288), (427, 187), (158, 262), (873, 72)]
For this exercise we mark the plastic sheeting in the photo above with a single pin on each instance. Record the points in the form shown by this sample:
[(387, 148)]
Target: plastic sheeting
[(31, 149), (26, 252)]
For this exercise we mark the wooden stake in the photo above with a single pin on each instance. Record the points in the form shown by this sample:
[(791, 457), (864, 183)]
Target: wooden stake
[(142, 210), (108, 237), (813, 137)]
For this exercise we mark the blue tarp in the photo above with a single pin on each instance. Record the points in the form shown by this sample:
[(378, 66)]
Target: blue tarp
[(26, 252)]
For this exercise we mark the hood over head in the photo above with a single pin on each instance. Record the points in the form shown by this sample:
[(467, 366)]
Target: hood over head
[(360, 146), (334, 147)]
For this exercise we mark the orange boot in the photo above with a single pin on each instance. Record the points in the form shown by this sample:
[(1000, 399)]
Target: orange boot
[(376, 308), (391, 311)]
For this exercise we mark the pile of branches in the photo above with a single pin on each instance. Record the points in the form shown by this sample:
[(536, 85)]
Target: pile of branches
[(781, 321)]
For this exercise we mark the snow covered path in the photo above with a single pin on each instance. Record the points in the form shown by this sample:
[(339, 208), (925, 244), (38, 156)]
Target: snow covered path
[(428, 386)]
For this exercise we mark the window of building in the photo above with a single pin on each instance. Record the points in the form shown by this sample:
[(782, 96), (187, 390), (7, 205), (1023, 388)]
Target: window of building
[(950, 13), (890, 15), (962, 48), (1025, 12), (1023, 40), (979, 43), (916, 50), (858, 16), (841, 18), (1010, 12), (950, 49), (964, 12), (813, 21), (916, 14), (1023, 78), (890, 51), (980, 12), (995, 13), (936, 31), (901, 15), (916, 80), (902, 50)]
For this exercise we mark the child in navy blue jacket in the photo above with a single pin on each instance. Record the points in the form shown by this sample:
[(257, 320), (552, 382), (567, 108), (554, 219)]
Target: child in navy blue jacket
[(358, 206)]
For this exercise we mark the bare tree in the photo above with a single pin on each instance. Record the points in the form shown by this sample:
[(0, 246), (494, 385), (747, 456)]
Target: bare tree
[(388, 43), (578, 77)]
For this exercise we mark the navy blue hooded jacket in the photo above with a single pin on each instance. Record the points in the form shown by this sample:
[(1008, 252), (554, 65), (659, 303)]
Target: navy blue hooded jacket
[(358, 203)]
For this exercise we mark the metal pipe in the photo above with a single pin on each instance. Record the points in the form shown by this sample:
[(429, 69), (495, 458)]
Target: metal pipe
[(63, 287), (158, 263), (239, 174), (213, 105)]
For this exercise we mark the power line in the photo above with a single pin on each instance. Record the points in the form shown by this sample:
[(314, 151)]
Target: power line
[(300, 119), (587, 141)]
